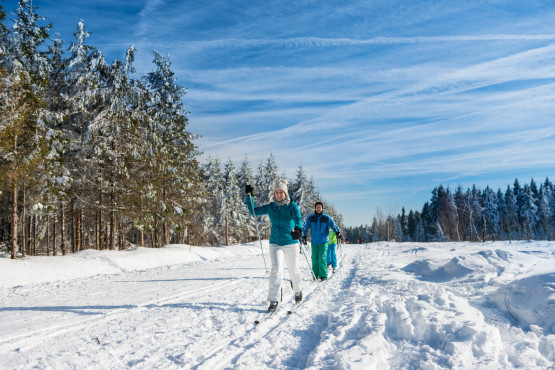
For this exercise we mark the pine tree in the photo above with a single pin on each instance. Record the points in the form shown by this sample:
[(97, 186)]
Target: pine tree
[(529, 211), (266, 179), (171, 154), (22, 128), (411, 225), (431, 219), (448, 215), (234, 216), (213, 208), (502, 208), (302, 191), (544, 210), (460, 204), (511, 215), (490, 212), (244, 177)]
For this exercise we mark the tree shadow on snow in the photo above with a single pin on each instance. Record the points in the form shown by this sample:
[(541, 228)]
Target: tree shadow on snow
[(79, 310), (187, 279), (216, 306)]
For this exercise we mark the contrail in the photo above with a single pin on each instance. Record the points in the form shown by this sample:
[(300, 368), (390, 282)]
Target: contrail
[(327, 42)]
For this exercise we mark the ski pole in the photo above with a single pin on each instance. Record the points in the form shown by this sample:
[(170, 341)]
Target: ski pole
[(258, 233), (340, 246), (313, 275)]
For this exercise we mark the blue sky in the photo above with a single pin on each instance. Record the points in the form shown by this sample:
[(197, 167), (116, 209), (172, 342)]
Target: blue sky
[(380, 101)]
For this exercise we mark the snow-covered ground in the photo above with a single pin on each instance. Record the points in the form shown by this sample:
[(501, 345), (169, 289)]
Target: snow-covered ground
[(389, 305)]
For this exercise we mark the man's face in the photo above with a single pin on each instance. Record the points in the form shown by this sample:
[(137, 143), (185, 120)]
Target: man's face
[(319, 208)]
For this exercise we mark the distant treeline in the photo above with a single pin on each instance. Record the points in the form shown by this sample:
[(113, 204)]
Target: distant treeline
[(519, 212)]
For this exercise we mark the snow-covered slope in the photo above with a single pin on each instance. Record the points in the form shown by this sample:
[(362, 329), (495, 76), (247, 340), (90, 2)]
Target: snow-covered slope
[(389, 305)]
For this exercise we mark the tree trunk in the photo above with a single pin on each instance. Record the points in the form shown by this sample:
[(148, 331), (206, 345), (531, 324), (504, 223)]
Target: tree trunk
[(34, 247), (63, 229), (98, 228), (120, 238), (112, 230), (55, 244), (72, 227), (14, 221), (226, 230), (47, 235), (79, 232), (23, 223)]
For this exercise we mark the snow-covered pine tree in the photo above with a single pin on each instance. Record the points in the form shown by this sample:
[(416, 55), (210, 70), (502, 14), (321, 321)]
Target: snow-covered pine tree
[(233, 207), (502, 208), (302, 191), (511, 226), (544, 210), (490, 212), (212, 209), (76, 112), (172, 166), (403, 224), (431, 217), (447, 214), (109, 140), (22, 126), (529, 211), (244, 177), (265, 181), (411, 225)]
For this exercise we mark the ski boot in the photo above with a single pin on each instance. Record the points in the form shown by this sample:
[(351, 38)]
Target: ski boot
[(273, 306)]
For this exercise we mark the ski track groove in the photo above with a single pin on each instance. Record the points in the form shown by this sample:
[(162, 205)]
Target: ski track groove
[(251, 335), (31, 339)]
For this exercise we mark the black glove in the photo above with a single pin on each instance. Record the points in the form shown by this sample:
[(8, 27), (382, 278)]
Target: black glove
[(296, 233), (249, 190), (339, 236), (304, 240)]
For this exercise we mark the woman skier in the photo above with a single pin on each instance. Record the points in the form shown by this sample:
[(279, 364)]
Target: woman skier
[(286, 221)]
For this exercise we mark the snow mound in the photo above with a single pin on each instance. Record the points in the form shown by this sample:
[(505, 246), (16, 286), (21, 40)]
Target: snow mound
[(456, 268), (439, 327), (90, 262), (530, 302), (459, 267)]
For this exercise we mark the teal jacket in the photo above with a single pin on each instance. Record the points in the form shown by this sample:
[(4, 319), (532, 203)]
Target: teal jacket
[(283, 218)]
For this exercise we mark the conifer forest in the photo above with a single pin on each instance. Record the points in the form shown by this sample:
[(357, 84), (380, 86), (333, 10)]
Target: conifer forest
[(92, 155)]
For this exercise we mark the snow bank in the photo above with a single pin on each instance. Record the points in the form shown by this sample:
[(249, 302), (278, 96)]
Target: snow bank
[(530, 302), (39, 269), (457, 268)]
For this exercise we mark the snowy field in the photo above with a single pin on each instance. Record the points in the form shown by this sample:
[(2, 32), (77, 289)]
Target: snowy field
[(389, 305)]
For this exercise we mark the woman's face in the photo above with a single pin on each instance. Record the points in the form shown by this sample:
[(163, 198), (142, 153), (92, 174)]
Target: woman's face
[(279, 195)]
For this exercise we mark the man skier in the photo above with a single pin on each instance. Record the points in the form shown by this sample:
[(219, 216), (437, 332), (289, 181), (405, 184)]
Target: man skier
[(319, 223), (286, 229)]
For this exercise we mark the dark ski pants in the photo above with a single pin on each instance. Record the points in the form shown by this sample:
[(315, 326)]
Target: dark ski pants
[(319, 256), (332, 257)]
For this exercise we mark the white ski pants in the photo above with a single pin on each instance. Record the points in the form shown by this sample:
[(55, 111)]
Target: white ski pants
[(291, 255)]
